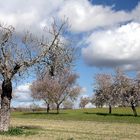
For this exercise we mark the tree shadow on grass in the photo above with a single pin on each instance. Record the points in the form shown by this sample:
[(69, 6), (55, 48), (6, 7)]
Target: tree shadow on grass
[(107, 114), (43, 113), (31, 127)]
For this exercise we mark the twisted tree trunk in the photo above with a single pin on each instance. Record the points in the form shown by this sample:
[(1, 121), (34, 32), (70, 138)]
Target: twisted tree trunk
[(5, 105)]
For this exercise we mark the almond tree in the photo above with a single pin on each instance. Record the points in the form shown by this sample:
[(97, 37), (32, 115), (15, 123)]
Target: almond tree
[(104, 91), (84, 101), (65, 88), (68, 104), (98, 98), (133, 96), (128, 90), (122, 85), (38, 92), (17, 54)]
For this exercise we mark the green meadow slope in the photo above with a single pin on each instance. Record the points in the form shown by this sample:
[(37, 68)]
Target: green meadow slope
[(97, 114)]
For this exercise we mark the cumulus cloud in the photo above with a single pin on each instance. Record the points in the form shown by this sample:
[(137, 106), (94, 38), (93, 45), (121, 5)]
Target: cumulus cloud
[(90, 105), (114, 47), (22, 93), (22, 97), (28, 14), (82, 15)]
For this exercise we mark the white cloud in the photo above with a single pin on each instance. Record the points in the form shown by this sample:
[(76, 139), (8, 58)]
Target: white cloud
[(28, 14), (83, 90), (22, 93), (90, 105), (22, 97), (27, 104), (22, 104), (114, 47), (82, 15)]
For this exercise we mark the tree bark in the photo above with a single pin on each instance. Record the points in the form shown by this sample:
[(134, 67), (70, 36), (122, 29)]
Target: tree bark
[(57, 108), (5, 105), (110, 109), (48, 108), (134, 109)]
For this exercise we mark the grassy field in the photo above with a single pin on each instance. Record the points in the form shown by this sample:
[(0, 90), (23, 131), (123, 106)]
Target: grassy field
[(97, 114), (82, 124)]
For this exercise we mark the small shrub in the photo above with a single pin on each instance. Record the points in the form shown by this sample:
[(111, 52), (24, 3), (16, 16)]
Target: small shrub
[(13, 132), (16, 131)]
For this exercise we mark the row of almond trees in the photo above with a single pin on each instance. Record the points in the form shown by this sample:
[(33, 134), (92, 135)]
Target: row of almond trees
[(117, 90)]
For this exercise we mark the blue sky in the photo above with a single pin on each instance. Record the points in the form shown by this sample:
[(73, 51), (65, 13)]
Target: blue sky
[(117, 4), (106, 32)]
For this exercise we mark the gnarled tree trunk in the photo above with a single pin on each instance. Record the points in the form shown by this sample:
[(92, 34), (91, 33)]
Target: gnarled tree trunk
[(5, 105)]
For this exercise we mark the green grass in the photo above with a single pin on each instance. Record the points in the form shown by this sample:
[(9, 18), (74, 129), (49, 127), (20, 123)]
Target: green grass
[(123, 115)]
